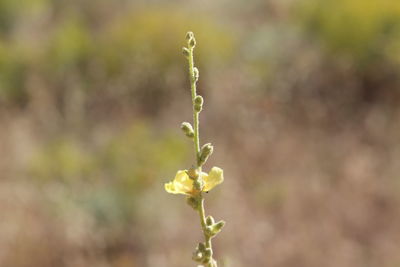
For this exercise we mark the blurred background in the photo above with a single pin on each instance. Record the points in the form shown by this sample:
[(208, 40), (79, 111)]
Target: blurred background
[(302, 103)]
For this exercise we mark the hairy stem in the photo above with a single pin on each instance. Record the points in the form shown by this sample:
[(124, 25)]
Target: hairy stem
[(203, 224), (196, 141), (196, 138)]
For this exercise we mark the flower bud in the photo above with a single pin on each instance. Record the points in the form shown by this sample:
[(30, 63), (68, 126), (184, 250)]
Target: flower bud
[(198, 103), (196, 74), (207, 255), (208, 252), (187, 129), (213, 230), (189, 35), (192, 42), (210, 220), (197, 108), (205, 152), (197, 256), (209, 231), (216, 228), (201, 247), (185, 52), (211, 263), (198, 100)]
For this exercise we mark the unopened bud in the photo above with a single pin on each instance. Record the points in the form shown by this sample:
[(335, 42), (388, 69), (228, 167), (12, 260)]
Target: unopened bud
[(197, 108), (210, 220), (217, 227), (187, 129), (198, 100), (207, 253), (189, 35), (197, 256), (211, 263), (201, 247), (185, 52), (205, 152), (196, 74), (209, 231), (198, 103), (214, 229), (192, 42)]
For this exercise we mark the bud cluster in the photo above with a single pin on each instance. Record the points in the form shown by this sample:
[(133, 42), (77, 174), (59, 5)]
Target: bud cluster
[(212, 228), (191, 42), (203, 255)]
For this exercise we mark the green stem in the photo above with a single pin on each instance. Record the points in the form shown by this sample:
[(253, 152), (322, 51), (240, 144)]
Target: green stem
[(203, 223), (196, 140)]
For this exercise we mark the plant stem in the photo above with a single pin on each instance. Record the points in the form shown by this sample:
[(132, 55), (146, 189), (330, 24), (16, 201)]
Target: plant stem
[(203, 223), (196, 141), (196, 138)]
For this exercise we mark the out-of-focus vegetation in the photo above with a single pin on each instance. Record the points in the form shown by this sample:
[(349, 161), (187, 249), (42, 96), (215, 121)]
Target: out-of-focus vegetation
[(98, 55), (363, 31), (303, 102)]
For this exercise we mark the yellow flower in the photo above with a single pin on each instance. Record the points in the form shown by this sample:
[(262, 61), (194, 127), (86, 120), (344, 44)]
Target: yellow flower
[(182, 184)]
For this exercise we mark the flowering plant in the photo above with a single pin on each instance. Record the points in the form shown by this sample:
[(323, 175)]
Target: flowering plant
[(193, 182)]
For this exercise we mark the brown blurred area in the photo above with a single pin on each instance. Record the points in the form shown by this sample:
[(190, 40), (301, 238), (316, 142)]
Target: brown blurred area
[(301, 103)]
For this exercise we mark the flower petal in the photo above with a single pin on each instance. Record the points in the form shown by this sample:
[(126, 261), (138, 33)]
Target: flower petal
[(170, 188), (214, 177), (181, 184)]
